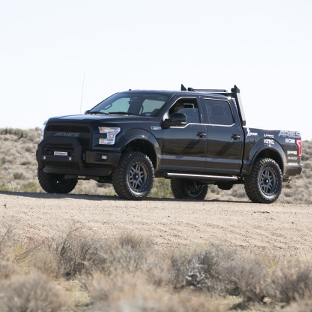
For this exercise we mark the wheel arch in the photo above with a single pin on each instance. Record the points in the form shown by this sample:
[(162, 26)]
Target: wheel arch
[(146, 144), (269, 152)]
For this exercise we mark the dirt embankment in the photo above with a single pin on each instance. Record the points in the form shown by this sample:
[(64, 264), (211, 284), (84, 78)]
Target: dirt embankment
[(277, 229)]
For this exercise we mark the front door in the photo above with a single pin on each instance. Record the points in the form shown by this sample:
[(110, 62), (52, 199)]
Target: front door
[(185, 147)]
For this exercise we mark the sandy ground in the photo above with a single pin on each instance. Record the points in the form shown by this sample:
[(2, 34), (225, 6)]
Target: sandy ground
[(276, 229)]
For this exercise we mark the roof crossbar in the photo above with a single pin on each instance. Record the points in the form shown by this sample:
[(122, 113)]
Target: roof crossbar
[(235, 93), (207, 90), (203, 90)]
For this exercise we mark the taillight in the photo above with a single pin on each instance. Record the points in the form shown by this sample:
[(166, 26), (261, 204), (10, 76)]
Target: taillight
[(299, 145)]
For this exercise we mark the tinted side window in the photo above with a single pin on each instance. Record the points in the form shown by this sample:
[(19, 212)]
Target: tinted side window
[(219, 112), (188, 107)]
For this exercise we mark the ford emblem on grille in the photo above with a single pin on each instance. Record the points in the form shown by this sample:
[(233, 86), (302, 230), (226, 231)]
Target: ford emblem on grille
[(67, 134)]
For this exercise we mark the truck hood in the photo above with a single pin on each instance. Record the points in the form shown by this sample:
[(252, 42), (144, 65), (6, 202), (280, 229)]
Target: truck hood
[(98, 119)]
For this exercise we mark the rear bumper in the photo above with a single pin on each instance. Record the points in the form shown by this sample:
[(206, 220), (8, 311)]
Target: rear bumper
[(292, 169), (66, 156)]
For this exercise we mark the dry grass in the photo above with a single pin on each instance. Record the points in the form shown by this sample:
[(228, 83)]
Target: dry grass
[(18, 172), (75, 272), (32, 292)]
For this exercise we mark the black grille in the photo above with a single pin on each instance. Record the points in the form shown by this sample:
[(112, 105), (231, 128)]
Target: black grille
[(60, 146), (81, 132), (68, 128)]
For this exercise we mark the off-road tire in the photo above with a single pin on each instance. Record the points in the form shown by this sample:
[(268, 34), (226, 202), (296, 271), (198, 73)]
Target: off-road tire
[(264, 184), (55, 183), (188, 189), (134, 177)]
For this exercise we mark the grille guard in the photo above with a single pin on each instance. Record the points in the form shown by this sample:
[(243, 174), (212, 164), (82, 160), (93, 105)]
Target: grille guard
[(59, 141)]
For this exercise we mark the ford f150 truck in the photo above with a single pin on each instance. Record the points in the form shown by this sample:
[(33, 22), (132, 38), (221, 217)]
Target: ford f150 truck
[(194, 137)]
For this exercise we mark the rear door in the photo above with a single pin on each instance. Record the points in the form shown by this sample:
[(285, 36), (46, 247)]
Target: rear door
[(225, 136)]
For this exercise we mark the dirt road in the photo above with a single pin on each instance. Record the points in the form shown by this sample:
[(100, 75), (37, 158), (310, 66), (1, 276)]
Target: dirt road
[(280, 229)]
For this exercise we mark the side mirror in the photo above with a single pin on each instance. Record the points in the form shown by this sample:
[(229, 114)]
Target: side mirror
[(176, 119), (87, 112)]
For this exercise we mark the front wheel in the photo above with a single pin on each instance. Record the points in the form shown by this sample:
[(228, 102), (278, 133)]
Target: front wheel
[(55, 183), (188, 189), (264, 184), (134, 177)]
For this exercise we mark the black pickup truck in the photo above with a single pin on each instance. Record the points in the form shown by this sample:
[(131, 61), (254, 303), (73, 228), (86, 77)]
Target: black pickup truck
[(194, 137)]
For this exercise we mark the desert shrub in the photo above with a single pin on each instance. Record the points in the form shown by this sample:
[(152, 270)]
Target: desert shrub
[(238, 191), (135, 242), (249, 277), (26, 162), (18, 132), (7, 241), (30, 293), (128, 293), (103, 185), (30, 187), (29, 149), (4, 188), (8, 160), (214, 189), (7, 269), (291, 282), (204, 269), (307, 165), (3, 160), (78, 253), (18, 176), (288, 193), (161, 189)]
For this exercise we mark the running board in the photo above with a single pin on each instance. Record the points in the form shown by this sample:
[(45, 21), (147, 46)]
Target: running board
[(200, 176)]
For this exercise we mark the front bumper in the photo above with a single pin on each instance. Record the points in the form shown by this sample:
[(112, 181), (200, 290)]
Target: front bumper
[(67, 156)]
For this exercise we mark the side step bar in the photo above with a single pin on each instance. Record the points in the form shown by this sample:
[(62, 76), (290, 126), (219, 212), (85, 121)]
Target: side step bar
[(200, 176)]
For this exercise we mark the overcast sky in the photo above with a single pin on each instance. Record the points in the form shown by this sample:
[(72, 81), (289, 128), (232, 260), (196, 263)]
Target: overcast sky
[(63, 57)]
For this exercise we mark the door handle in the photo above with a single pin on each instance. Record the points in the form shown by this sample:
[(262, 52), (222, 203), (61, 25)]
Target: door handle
[(201, 134), (235, 137)]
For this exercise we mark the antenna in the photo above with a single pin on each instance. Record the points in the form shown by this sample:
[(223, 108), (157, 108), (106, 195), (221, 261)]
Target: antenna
[(84, 75)]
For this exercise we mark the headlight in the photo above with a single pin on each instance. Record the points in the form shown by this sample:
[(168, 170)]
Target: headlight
[(42, 131), (110, 135)]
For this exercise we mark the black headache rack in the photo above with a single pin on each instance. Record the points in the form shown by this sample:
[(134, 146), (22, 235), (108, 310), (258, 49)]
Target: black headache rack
[(235, 94)]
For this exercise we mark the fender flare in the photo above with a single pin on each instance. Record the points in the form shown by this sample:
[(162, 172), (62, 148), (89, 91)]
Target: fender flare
[(143, 135), (262, 147)]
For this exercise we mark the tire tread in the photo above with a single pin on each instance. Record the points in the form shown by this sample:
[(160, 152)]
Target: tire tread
[(119, 176), (251, 182)]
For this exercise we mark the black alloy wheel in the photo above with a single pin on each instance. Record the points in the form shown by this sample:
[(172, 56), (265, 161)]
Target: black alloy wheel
[(188, 189), (264, 184), (134, 177)]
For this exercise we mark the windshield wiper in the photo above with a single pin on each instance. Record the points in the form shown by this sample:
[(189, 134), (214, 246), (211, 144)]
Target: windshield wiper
[(97, 113), (120, 113)]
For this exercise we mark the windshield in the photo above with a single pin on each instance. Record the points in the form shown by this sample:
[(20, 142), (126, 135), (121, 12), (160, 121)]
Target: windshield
[(141, 104)]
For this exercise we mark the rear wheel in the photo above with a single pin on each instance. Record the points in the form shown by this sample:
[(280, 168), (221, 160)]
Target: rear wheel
[(264, 184), (55, 183), (188, 189)]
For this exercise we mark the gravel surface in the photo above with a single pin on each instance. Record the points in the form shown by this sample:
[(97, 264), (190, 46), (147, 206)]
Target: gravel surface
[(276, 229)]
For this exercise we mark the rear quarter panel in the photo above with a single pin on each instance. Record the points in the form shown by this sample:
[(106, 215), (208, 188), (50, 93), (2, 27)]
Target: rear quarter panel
[(280, 144)]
